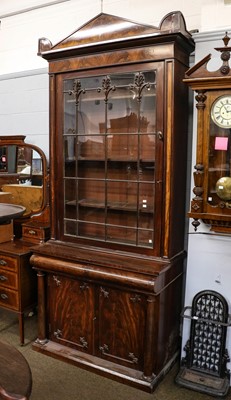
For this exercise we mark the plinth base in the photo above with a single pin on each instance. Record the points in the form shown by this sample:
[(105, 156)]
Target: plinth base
[(203, 383)]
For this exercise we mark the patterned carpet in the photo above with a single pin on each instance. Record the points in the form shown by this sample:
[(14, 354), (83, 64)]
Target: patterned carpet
[(56, 380)]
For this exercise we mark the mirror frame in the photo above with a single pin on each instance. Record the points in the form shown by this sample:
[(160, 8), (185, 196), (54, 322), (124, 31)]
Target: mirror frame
[(19, 140)]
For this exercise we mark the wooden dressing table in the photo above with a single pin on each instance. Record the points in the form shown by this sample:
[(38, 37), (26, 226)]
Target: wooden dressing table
[(15, 276), (24, 221)]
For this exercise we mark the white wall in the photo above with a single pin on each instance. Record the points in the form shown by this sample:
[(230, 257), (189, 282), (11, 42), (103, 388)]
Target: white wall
[(209, 254), (19, 34), (24, 103)]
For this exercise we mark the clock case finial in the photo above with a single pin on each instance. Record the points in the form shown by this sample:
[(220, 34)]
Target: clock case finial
[(199, 75), (225, 55)]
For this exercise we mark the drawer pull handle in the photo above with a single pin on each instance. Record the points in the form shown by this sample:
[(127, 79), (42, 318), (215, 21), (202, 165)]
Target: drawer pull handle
[(3, 262), (31, 232), (3, 278), (4, 296)]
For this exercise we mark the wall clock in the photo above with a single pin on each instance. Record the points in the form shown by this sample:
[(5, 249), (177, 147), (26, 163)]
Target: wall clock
[(221, 111), (212, 175)]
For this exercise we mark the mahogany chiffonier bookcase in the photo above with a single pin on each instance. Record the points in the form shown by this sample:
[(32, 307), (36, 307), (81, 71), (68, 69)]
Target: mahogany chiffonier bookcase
[(110, 278)]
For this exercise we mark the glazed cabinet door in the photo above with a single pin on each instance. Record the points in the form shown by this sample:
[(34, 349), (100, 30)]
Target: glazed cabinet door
[(112, 150), (121, 327), (71, 312)]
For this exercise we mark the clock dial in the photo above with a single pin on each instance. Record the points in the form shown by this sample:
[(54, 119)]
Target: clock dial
[(221, 111)]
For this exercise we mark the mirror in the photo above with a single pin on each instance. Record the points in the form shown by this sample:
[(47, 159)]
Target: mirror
[(23, 174)]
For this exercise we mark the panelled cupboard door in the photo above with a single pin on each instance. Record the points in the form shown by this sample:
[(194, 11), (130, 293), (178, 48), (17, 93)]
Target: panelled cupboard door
[(71, 309), (121, 326)]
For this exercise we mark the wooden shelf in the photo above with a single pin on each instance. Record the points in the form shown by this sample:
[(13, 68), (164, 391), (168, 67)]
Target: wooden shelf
[(110, 159), (110, 206)]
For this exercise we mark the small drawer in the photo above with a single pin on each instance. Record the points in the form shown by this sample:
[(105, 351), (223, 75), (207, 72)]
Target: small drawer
[(35, 234), (9, 298), (8, 262), (8, 279)]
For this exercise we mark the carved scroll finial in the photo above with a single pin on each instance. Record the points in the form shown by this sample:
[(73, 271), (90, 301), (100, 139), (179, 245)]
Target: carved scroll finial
[(44, 44)]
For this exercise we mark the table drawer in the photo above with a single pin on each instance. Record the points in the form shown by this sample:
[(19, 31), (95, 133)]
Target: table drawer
[(8, 262), (8, 279), (9, 298)]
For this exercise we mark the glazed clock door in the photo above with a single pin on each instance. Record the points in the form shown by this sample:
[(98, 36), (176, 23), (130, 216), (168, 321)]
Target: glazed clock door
[(112, 172), (219, 152), (71, 312), (121, 327)]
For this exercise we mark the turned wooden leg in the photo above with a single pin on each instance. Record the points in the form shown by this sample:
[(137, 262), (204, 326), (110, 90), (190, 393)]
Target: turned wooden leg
[(42, 338), (21, 327)]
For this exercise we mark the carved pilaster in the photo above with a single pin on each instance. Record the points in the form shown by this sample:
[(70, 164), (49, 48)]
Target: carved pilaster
[(199, 167), (198, 175)]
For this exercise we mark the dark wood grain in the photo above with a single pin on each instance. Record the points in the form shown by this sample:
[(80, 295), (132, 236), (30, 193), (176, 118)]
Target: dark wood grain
[(15, 374), (111, 303)]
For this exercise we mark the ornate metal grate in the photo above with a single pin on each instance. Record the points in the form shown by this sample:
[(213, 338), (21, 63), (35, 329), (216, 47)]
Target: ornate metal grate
[(206, 355), (208, 335)]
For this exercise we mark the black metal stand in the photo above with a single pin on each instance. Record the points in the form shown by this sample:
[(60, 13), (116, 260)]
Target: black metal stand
[(204, 367)]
